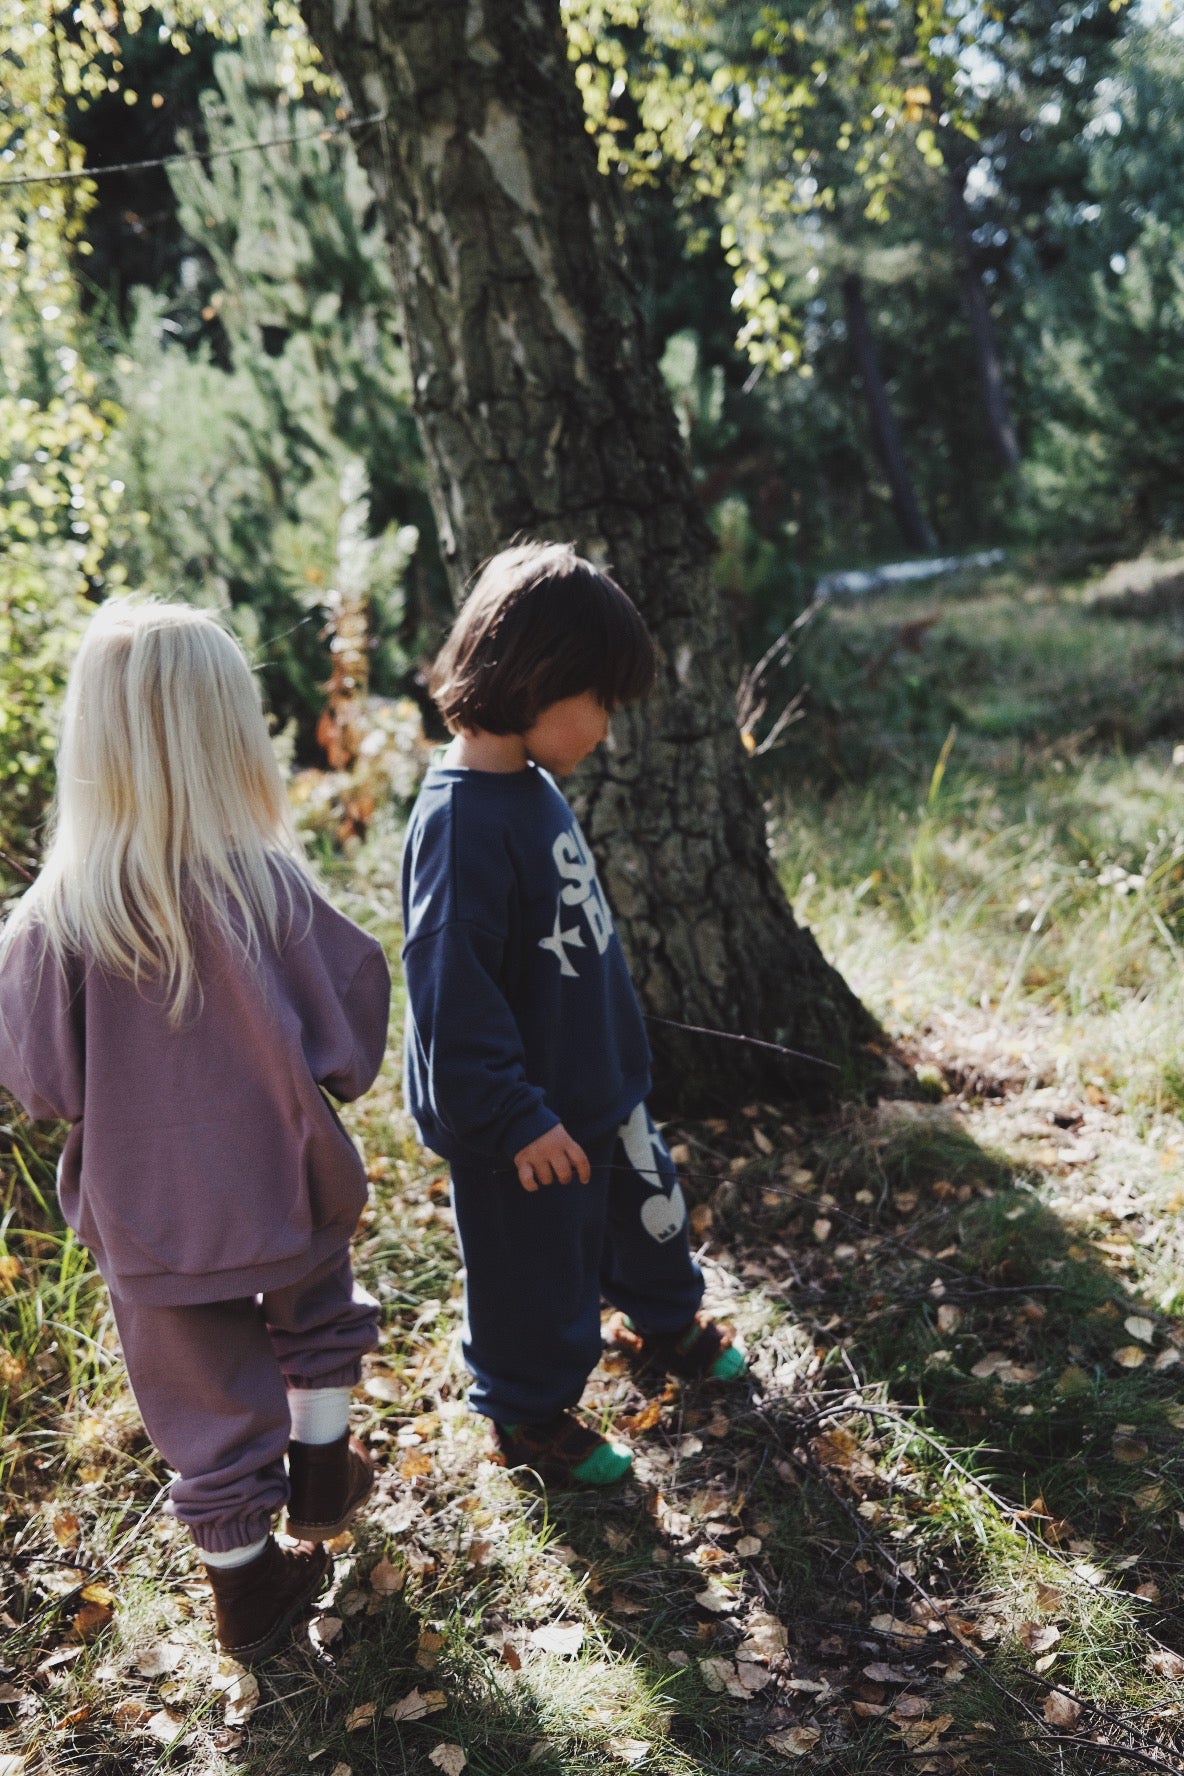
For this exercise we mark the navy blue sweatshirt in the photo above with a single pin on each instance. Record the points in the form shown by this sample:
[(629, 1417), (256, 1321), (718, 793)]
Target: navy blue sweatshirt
[(520, 1010)]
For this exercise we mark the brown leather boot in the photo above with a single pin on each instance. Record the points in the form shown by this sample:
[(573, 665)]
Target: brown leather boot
[(562, 1452), (329, 1482), (256, 1604)]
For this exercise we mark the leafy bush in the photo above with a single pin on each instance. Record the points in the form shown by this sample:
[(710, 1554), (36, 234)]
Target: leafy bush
[(239, 439)]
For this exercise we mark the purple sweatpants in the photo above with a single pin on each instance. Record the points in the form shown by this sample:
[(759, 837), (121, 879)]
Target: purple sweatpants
[(212, 1381)]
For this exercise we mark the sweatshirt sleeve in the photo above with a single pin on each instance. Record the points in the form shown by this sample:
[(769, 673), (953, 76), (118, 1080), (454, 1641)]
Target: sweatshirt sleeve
[(335, 978), (41, 1031), (464, 1061), (365, 1008)]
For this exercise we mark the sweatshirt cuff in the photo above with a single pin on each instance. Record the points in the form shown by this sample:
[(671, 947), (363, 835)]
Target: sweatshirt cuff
[(525, 1129)]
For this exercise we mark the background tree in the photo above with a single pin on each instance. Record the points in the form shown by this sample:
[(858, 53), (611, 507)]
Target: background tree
[(542, 410)]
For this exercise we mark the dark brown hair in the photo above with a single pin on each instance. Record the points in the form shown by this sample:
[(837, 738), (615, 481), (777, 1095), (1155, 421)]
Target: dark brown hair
[(540, 624)]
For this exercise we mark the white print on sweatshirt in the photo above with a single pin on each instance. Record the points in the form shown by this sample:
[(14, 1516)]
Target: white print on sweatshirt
[(582, 888)]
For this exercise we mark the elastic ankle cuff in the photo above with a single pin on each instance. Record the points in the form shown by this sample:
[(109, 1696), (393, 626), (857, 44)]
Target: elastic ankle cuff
[(221, 1538)]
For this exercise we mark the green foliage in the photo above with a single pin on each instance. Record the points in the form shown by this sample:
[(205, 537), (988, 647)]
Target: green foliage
[(752, 109), (147, 467), (768, 119), (1054, 676), (58, 495), (37, 635), (61, 497), (804, 141), (1108, 323), (236, 467)]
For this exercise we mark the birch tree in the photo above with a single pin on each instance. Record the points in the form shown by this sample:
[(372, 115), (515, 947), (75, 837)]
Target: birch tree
[(543, 412)]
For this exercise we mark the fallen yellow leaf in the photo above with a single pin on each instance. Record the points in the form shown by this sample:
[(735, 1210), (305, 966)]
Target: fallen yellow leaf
[(643, 1420), (242, 1699), (796, 1741), (90, 1620), (427, 1653), (65, 1528), (415, 1705), (1061, 1711), (386, 1578), (764, 1637)]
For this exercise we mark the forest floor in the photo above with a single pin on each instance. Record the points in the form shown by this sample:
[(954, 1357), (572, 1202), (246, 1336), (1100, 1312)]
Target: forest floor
[(942, 1528)]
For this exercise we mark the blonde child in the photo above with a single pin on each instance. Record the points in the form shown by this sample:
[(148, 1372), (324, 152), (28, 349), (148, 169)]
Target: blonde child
[(174, 986)]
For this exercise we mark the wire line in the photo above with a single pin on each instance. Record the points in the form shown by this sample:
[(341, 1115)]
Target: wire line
[(753, 1041), (323, 132)]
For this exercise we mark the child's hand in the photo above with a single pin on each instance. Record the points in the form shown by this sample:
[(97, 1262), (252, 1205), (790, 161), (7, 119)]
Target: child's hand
[(553, 1156)]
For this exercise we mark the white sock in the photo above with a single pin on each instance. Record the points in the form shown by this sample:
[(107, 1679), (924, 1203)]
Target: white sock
[(234, 1556), (319, 1415)]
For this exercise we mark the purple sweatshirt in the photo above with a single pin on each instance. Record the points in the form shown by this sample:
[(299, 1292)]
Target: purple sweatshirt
[(204, 1163)]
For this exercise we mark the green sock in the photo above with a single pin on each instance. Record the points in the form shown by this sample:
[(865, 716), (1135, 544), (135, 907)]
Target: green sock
[(607, 1462), (730, 1363)]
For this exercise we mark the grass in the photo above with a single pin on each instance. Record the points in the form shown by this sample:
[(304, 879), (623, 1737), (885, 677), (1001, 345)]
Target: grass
[(942, 1530)]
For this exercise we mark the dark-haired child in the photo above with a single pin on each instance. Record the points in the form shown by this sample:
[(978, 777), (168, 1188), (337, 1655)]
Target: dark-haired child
[(526, 1059)]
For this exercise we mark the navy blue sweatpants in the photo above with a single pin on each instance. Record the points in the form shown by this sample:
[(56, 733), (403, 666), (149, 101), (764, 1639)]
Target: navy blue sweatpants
[(538, 1263)]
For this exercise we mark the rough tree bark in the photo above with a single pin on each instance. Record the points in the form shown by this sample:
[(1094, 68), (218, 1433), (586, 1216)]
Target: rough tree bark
[(982, 327), (915, 528), (543, 412)]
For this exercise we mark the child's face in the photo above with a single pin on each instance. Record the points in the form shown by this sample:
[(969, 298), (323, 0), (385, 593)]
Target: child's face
[(566, 732)]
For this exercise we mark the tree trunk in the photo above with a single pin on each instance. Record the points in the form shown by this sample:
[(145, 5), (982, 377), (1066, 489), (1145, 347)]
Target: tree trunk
[(543, 413), (982, 326), (914, 526)]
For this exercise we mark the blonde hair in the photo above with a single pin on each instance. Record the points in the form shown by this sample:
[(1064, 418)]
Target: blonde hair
[(169, 804)]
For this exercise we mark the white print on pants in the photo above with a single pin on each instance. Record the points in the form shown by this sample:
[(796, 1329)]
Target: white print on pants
[(662, 1216)]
